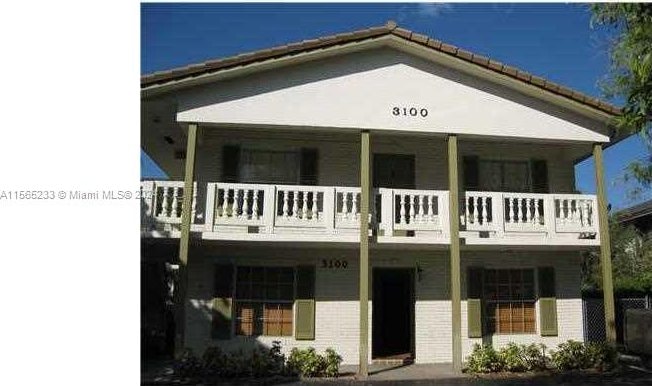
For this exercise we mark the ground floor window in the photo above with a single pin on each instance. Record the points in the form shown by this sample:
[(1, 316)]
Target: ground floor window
[(510, 301), (264, 300)]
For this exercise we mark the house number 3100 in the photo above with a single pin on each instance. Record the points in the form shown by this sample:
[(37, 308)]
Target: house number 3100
[(334, 263), (410, 112)]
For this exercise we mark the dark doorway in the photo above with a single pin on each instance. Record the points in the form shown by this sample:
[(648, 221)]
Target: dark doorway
[(393, 314), (393, 171)]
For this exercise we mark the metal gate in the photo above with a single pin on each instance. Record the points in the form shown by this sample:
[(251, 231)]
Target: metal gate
[(593, 316)]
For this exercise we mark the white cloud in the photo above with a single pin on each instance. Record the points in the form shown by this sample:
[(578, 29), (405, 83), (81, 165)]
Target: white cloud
[(433, 9)]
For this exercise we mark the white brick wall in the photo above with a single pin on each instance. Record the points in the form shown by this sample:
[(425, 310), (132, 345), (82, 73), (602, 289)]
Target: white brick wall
[(336, 295)]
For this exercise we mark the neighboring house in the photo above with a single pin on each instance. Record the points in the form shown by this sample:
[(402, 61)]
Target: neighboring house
[(282, 142), (639, 216)]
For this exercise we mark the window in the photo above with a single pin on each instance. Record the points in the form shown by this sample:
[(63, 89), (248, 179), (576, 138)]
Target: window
[(264, 299), (273, 167), (504, 176), (509, 301)]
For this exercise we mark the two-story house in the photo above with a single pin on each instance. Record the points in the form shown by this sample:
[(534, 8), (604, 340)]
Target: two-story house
[(379, 192)]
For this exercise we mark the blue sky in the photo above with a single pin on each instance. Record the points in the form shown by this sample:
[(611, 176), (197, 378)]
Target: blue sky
[(554, 41)]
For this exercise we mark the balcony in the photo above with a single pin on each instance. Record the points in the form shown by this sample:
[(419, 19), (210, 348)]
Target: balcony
[(294, 213)]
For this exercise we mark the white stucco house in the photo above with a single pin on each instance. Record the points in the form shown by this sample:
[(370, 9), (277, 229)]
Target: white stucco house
[(461, 167)]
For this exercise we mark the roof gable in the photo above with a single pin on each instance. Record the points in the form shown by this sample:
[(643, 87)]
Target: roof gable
[(381, 89), (175, 76)]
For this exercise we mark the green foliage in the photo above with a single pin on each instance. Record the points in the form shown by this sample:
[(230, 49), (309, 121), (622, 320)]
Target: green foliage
[(519, 358), (188, 365), (484, 359), (574, 355), (630, 75), (601, 356), (214, 363), (570, 355), (631, 256), (512, 358), (534, 357), (333, 361), (308, 363)]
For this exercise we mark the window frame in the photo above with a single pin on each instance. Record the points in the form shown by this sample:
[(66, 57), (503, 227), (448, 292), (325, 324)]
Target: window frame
[(489, 304), (262, 302)]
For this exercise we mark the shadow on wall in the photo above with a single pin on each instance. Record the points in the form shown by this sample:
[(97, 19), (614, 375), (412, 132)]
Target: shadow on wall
[(156, 304)]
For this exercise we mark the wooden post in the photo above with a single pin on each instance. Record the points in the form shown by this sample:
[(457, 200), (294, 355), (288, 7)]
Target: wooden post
[(454, 216), (605, 247), (184, 241), (364, 254)]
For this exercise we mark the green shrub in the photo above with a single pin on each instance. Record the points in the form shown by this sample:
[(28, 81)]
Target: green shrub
[(519, 358), (601, 356), (484, 359), (535, 357), (213, 361), (511, 357), (188, 365), (306, 362), (267, 362), (333, 361), (260, 362), (236, 365), (570, 355)]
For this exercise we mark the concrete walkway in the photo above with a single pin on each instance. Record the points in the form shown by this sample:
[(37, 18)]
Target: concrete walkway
[(382, 372)]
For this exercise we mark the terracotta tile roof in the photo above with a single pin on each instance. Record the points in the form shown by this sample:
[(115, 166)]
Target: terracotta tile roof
[(390, 28)]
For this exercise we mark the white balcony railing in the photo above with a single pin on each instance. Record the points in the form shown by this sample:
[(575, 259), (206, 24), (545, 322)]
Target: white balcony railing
[(407, 212), (498, 214), (324, 213), (274, 209), (162, 205)]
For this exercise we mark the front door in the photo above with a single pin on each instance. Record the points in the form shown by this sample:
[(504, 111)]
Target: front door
[(393, 313)]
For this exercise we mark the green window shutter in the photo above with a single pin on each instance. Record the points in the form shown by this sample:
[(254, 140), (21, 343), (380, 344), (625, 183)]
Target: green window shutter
[(539, 171), (304, 304), (309, 167), (222, 314), (474, 301), (471, 169), (230, 163), (547, 302)]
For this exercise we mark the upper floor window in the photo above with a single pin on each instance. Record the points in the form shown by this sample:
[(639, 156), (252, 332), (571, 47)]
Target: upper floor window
[(256, 166), (504, 176), (263, 166)]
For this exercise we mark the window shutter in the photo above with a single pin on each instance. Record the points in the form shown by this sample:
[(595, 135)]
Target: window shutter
[(222, 301), (230, 163), (474, 301), (539, 171), (309, 166), (547, 302), (305, 303), (471, 172)]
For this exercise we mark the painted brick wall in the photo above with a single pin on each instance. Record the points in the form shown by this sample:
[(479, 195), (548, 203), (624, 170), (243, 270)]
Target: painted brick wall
[(336, 295)]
